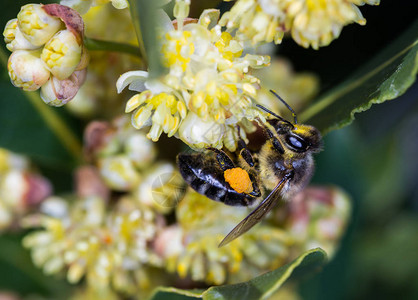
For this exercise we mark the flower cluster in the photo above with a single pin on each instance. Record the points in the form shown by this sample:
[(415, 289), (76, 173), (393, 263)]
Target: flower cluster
[(312, 23), (107, 237), (107, 247), (207, 90), (47, 51), (125, 160), (116, 244), (316, 218), (21, 189), (190, 248)]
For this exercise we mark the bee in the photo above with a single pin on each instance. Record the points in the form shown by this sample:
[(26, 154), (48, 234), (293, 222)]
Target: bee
[(279, 169)]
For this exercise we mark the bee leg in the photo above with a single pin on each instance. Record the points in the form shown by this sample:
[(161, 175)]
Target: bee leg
[(256, 190), (274, 140), (243, 151), (223, 159), (226, 163)]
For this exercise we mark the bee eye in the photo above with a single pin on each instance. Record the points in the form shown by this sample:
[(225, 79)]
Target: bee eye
[(296, 143)]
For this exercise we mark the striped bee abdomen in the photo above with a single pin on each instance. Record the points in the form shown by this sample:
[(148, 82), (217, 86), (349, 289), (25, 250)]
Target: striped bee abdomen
[(203, 173)]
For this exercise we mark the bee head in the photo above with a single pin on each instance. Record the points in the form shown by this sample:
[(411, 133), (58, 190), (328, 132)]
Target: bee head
[(296, 137), (301, 138)]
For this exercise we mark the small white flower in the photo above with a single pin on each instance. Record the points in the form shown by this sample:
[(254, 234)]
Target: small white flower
[(140, 150), (118, 172), (198, 134)]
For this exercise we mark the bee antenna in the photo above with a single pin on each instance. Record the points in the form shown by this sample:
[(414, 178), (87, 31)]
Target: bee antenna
[(272, 113), (287, 105)]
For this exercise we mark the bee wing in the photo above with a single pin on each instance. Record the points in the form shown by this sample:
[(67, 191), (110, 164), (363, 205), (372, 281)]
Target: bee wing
[(257, 214)]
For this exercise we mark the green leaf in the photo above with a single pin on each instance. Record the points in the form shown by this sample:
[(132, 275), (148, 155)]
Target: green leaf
[(260, 287), (170, 293), (144, 17), (388, 75)]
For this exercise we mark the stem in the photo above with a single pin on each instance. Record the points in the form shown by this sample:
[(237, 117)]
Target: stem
[(99, 45), (56, 125), (52, 120), (135, 19)]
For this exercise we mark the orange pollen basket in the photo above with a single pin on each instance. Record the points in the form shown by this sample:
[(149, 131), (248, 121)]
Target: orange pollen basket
[(239, 180)]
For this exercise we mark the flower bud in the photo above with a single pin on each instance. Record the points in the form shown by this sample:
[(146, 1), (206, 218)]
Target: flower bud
[(120, 4), (62, 54), (21, 190), (140, 150), (59, 92), (90, 184), (14, 38), (9, 32), (84, 59), (36, 25), (55, 207), (96, 136), (26, 70), (199, 134), (118, 172), (169, 242)]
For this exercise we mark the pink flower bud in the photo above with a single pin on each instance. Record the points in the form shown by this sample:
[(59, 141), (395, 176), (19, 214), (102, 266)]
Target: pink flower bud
[(59, 92)]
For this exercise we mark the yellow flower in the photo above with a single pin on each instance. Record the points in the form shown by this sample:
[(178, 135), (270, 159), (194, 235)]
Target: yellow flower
[(258, 21), (312, 23), (207, 78)]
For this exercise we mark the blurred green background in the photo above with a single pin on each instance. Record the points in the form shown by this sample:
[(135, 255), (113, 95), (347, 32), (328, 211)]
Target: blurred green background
[(375, 160)]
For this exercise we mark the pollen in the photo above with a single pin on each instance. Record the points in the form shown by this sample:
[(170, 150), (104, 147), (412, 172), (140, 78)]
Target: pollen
[(239, 180)]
